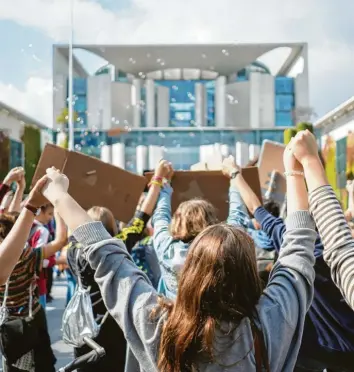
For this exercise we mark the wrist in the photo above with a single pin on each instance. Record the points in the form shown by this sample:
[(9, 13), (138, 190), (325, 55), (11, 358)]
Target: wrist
[(310, 162)]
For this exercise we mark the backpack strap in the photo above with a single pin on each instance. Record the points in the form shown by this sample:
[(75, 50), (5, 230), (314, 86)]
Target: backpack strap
[(260, 350)]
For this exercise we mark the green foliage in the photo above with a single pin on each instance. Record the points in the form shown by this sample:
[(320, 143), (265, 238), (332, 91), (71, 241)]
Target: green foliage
[(63, 117), (289, 134), (32, 146), (4, 155), (304, 126)]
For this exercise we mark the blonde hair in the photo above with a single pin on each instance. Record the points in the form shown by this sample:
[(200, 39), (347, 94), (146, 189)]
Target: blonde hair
[(106, 217), (191, 218)]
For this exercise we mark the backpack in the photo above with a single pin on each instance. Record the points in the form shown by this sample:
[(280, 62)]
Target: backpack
[(79, 322)]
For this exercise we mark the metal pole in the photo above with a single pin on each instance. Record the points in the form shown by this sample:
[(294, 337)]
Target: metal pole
[(71, 98)]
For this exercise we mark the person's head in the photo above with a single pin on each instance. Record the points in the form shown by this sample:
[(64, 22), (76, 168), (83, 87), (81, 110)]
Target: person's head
[(270, 206), (192, 217), (46, 214), (106, 217), (219, 283), (7, 221)]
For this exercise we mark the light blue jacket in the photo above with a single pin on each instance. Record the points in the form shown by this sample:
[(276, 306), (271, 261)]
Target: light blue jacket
[(172, 253)]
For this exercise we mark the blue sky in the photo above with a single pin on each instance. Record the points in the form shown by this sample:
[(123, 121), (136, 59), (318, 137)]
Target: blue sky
[(28, 28)]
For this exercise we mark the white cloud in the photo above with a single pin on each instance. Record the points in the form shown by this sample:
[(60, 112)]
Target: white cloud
[(323, 23), (35, 100)]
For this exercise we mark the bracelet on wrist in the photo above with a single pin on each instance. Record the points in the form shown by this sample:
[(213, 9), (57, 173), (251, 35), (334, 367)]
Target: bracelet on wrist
[(157, 183), (157, 178), (294, 173)]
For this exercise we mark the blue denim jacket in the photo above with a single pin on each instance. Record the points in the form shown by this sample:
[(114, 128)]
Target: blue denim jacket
[(172, 253)]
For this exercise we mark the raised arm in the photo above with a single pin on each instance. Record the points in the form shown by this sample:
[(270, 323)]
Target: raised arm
[(238, 215), (16, 202), (133, 232), (161, 218), (14, 175), (289, 293), (12, 246), (329, 217), (60, 240)]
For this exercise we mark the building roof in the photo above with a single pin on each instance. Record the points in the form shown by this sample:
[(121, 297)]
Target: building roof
[(225, 59), (335, 114), (21, 116)]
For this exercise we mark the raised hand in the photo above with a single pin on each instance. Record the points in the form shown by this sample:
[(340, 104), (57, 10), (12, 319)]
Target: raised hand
[(229, 166), (35, 198), (14, 175), (289, 159), (304, 147), (164, 170), (56, 186)]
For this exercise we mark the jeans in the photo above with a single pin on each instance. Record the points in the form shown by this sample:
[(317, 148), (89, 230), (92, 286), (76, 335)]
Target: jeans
[(43, 301)]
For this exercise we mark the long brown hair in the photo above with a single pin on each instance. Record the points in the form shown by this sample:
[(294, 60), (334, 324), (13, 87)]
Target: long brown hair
[(219, 283), (192, 217), (106, 217)]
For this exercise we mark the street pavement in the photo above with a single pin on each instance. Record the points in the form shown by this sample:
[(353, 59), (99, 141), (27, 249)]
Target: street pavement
[(55, 311)]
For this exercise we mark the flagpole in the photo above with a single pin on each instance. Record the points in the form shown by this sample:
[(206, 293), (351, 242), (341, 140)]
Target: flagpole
[(70, 81)]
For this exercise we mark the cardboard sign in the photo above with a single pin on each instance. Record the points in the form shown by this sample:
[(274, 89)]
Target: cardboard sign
[(209, 185), (270, 160), (93, 182)]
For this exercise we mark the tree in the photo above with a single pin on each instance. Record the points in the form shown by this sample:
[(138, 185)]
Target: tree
[(63, 120), (63, 117)]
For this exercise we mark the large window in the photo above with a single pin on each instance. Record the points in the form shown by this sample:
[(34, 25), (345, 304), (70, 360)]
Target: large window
[(284, 101)]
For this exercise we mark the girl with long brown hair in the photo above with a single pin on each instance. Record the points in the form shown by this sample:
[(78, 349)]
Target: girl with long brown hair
[(173, 235), (221, 320)]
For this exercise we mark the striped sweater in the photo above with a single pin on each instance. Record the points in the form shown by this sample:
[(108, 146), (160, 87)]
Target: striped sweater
[(336, 238)]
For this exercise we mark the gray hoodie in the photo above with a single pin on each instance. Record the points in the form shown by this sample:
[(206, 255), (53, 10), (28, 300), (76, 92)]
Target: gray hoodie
[(130, 298)]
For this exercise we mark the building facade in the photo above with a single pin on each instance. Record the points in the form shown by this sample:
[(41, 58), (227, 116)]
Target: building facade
[(175, 100), (13, 124)]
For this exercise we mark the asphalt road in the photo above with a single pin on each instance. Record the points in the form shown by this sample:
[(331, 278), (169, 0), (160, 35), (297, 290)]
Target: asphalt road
[(55, 310)]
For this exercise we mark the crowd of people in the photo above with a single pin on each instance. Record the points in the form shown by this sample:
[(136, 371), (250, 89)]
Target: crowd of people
[(185, 291)]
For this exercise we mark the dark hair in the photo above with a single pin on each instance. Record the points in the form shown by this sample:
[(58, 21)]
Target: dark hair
[(272, 207), (219, 282), (7, 221), (45, 207)]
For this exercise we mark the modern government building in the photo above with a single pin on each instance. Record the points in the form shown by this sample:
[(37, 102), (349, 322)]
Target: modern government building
[(182, 102)]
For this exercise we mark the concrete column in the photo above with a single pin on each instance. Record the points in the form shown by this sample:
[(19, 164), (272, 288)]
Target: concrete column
[(225, 151), (220, 102), (106, 154), (156, 153), (163, 106), (253, 151), (242, 154), (150, 103), (200, 105), (136, 98), (118, 155), (141, 159), (205, 153)]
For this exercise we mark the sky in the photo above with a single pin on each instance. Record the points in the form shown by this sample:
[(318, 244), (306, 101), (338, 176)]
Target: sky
[(28, 29)]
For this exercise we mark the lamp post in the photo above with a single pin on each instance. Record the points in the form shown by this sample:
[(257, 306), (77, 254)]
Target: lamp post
[(70, 82)]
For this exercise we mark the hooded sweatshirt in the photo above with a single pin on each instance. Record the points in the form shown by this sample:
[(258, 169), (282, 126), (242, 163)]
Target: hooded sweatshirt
[(130, 299)]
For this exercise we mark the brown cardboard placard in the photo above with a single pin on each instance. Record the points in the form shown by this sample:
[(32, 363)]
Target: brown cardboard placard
[(270, 160), (210, 185), (93, 182)]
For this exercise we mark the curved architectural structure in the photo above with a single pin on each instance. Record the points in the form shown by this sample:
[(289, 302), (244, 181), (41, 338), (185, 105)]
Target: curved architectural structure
[(151, 89)]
